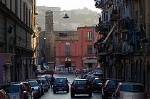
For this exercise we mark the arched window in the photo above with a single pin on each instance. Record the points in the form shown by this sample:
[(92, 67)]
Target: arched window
[(67, 49)]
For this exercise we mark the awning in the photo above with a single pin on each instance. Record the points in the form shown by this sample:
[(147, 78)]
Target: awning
[(109, 33)]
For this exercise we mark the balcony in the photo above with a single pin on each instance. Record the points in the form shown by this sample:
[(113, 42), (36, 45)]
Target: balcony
[(103, 28), (103, 3), (114, 15), (99, 3)]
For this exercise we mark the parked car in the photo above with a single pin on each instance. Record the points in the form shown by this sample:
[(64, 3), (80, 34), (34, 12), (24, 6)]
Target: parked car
[(100, 75), (92, 78), (36, 88), (97, 85), (81, 86), (47, 77), (28, 88), (84, 76), (109, 88), (3, 94), (60, 84), (44, 83), (128, 90), (16, 90)]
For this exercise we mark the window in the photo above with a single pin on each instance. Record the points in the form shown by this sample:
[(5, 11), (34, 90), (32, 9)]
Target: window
[(67, 49), (11, 5), (89, 49), (89, 35), (105, 16), (16, 7)]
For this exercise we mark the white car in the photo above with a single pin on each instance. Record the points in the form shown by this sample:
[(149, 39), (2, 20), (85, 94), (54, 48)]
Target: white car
[(129, 90)]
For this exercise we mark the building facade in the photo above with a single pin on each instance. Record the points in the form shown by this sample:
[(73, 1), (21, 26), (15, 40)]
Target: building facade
[(125, 26), (16, 30), (76, 48)]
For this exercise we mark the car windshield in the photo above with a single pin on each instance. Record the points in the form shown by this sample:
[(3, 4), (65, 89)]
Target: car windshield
[(33, 83), (12, 88), (132, 88)]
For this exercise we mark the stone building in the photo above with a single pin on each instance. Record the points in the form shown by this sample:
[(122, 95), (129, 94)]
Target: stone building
[(124, 50), (17, 46)]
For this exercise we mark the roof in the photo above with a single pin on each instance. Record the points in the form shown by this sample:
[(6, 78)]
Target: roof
[(80, 79)]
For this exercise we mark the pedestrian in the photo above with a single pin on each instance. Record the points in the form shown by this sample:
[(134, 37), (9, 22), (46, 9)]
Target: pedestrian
[(52, 81), (76, 73)]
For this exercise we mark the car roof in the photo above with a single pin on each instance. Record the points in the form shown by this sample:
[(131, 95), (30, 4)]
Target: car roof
[(60, 77), (41, 79), (97, 78), (80, 79)]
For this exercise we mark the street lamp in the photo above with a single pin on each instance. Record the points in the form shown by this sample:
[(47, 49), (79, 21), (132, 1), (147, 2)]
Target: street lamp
[(66, 16)]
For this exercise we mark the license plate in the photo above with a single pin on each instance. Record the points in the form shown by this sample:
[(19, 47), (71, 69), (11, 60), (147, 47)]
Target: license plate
[(80, 88), (60, 88)]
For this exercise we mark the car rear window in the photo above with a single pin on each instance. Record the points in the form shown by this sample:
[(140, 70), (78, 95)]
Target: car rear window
[(98, 81), (60, 80), (42, 81), (32, 83), (12, 89), (80, 82), (132, 88)]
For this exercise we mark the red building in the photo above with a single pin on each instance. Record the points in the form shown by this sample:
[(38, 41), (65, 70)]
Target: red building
[(74, 49)]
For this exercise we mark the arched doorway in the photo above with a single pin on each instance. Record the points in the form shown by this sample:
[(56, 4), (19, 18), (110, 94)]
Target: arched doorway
[(68, 63)]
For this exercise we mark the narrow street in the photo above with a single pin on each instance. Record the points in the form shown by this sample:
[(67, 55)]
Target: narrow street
[(61, 95)]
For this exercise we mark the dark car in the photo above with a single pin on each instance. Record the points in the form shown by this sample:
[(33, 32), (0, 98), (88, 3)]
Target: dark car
[(97, 85), (81, 86), (44, 83), (36, 88), (60, 84), (109, 88), (47, 77), (92, 78)]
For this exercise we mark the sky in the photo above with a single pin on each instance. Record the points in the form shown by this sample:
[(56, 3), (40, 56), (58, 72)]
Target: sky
[(69, 4)]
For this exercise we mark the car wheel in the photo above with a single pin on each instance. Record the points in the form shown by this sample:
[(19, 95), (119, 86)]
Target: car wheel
[(72, 95), (47, 90), (43, 92), (54, 91), (67, 90), (103, 97), (93, 90), (90, 95)]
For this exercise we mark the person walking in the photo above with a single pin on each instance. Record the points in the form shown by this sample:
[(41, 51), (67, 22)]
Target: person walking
[(52, 81), (76, 74)]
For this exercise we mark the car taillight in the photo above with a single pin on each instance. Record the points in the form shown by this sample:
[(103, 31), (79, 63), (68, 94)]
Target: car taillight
[(88, 86), (118, 92), (22, 96), (72, 87), (145, 94)]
